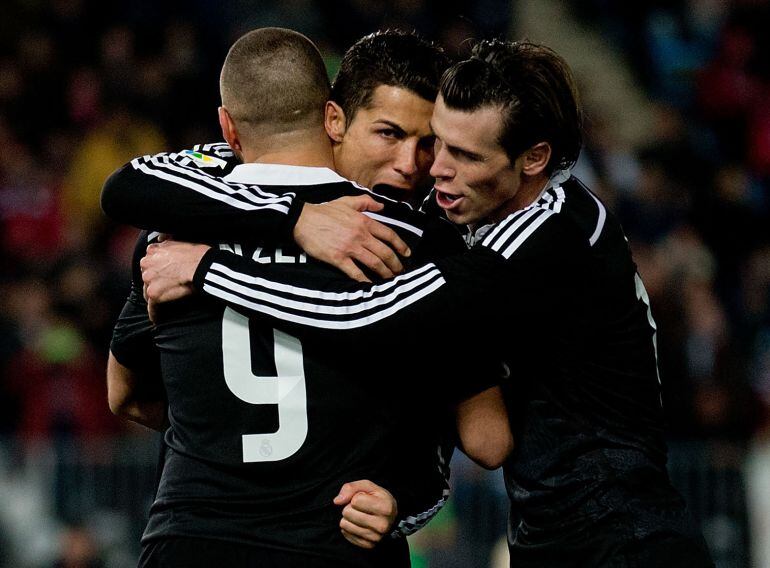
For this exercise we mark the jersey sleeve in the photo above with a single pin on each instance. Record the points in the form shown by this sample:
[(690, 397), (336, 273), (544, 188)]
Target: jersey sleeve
[(443, 297), (462, 308), (132, 338), (424, 490), (499, 276), (184, 193)]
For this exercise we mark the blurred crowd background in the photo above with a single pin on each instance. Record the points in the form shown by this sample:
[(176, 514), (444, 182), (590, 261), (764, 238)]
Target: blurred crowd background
[(677, 99)]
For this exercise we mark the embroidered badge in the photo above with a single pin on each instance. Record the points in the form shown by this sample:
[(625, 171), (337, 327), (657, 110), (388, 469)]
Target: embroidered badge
[(204, 160)]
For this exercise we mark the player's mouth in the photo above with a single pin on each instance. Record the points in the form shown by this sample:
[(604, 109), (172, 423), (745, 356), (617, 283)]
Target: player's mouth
[(448, 201)]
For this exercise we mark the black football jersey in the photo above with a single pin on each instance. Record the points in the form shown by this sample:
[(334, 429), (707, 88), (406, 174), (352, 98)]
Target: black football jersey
[(266, 426), (553, 292)]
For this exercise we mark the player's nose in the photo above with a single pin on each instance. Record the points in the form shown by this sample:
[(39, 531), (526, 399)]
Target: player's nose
[(442, 165), (406, 159)]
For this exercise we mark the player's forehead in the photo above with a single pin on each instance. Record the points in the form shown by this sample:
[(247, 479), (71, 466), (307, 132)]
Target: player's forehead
[(399, 106), (476, 131)]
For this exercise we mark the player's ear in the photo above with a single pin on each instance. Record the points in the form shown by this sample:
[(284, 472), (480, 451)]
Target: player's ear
[(536, 158), (334, 121), (229, 131)]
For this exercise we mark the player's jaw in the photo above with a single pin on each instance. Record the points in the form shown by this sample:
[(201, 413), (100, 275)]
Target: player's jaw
[(471, 196)]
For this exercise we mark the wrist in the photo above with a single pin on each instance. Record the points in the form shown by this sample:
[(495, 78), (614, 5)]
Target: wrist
[(293, 219)]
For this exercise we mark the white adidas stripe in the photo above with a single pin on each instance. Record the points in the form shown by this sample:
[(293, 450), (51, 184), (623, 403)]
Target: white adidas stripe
[(549, 204), (526, 233), (321, 323), (599, 222), (318, 309), (390, 221), (316, 294), (253, 193), (203, 190), (512, 228), (502, 226)]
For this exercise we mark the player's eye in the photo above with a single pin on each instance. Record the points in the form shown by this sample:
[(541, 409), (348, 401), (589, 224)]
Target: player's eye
[(464, 155), (391, 133)]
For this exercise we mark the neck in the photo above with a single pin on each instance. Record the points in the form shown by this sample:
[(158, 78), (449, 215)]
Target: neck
[(529, 190), (292, 149)]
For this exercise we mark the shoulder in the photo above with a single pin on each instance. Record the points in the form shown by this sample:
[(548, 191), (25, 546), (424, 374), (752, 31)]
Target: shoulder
[(541, 227), (567, 219), (216, 159), (220, 149), (587, 212)]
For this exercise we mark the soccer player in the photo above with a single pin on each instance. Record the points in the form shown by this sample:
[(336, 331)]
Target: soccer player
[(378, 118), (378, 115), (257, 446), (386, 85), (549, 285)]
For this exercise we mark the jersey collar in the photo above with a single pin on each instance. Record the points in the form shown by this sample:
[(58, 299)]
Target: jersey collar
[(279, 174), (557, 178)]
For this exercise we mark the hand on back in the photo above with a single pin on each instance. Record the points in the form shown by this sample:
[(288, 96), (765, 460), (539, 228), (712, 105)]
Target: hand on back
[(340, 234), (168, 270)]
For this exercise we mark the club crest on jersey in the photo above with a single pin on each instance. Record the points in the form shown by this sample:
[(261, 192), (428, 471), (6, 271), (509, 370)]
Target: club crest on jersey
[(204, 160)]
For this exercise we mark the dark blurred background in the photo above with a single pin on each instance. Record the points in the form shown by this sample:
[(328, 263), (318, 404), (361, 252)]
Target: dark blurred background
[(677, 97)]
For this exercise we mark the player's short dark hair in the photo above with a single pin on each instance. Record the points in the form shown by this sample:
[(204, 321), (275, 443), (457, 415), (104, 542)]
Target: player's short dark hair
[(274, 79), (536, 90), (393, 58)]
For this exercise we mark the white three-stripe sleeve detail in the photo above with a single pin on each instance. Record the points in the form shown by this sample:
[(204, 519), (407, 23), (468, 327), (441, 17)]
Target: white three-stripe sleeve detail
[(321, 323), (208, 192), (526, 233), (180, 170), (252, 192), (389, 221), (317, 294), (263, 296)]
